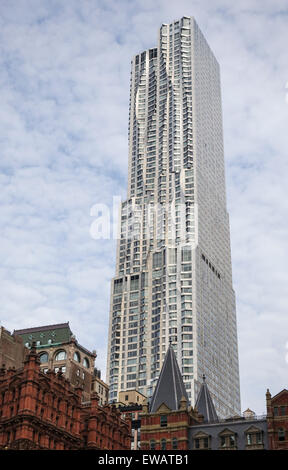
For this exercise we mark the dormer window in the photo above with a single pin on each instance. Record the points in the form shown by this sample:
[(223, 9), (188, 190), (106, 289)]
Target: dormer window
[(201, 441), (227, 439)]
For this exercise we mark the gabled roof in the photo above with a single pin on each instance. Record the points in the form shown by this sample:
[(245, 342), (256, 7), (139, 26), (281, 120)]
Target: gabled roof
[(283, 392), (170, 387), (205, 405)]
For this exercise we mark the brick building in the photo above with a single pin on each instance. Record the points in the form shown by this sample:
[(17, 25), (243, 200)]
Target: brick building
[(43, 411), (12, 349), (277, 420), (102, 427), (168, 422), (100, 387)]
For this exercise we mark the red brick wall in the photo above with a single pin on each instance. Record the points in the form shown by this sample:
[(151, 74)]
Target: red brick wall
[(276, 420), (43, 411), (177, 427)]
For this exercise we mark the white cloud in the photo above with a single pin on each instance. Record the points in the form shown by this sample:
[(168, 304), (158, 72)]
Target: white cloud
[(64, 75)]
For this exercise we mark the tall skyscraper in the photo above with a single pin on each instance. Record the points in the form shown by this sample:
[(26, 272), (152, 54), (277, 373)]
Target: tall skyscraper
[(173, 280)]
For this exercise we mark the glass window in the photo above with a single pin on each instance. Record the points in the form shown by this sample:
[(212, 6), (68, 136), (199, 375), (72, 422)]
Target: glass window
[(223, 441), (60, 356), (259, 438), (281, 435), (163, 444), (86, 362), (157, 260), (152, 444), (186, 254), (43, 358), (174, 443), (163, 421), (76, 357)]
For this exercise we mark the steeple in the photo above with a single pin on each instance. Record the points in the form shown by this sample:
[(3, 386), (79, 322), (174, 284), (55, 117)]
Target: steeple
[(170, 388), (205, 405)]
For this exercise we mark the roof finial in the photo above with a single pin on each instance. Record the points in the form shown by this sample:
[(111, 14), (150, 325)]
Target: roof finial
[(204, 378)]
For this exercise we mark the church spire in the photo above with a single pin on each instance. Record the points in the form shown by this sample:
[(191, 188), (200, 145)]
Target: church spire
[(205, 405), (170, 388)]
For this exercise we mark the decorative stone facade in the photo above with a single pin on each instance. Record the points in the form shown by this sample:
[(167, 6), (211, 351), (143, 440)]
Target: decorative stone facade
[(165, 422), (103, 428), (58, 348), (167, 429), (43, 411), (237, 433)]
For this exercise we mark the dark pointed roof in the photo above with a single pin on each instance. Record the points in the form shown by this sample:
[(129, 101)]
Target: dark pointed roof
[(205, 405), (170, 387)]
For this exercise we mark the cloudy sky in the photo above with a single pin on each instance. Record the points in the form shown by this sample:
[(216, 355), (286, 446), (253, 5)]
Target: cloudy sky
[(64, 91)]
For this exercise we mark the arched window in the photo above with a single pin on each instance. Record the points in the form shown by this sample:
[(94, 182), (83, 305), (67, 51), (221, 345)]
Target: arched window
[(60, 356), (174, 443), (76, 356), (163, 444), (152, 444), (43, 357), (86, 362)]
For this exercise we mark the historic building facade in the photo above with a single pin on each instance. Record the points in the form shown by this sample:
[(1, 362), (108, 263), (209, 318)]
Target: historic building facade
[(166, 420), (236, 433), (131, 404), (58, 348), (12, 349), (44, 411), (277, 420), (100, 387), (169, 423)]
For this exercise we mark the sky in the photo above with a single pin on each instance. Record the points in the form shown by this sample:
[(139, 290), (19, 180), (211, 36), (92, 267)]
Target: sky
[(64, 93)]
